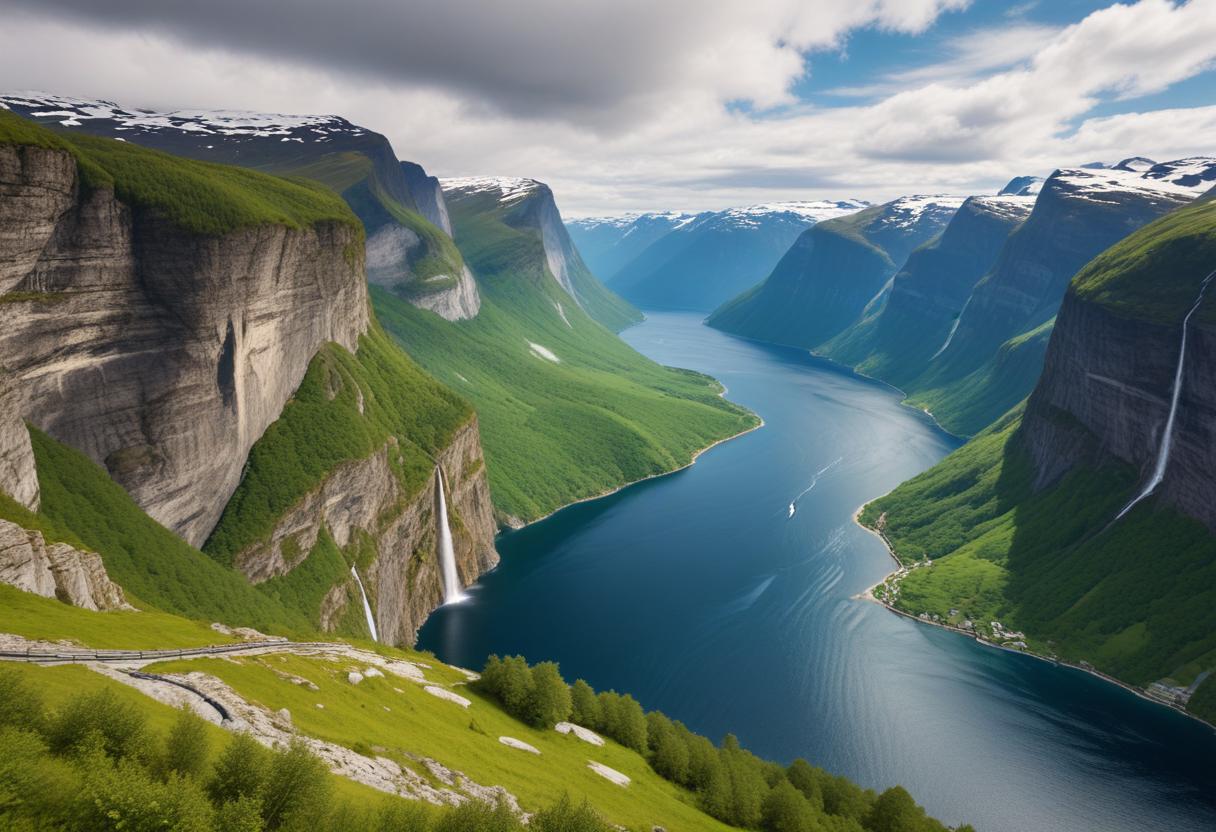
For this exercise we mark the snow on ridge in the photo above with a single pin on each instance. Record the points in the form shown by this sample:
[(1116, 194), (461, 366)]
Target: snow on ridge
[(72, 112), (908, 210), (1180, 178), (1012, 205), (509, 188)]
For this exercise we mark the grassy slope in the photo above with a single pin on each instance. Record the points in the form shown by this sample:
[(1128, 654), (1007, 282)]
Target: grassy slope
[(200, 197), (554, 432)]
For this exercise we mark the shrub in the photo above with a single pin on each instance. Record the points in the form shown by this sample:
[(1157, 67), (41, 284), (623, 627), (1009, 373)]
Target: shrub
[(20, 702), (297, 789), (117, 727), (476, 816), (240, 772), (124, 796), (186, 746), (564, 816)]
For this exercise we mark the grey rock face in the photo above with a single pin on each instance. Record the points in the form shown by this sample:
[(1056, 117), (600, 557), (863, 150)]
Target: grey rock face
[(389, 251), (404, 582), (428, 196), (161, 354), (1105, 393), (18, 476), (56, 570)]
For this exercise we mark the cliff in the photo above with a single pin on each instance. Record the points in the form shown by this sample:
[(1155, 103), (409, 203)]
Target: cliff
[(1053, 521), (56, 570), (835, 272), (161, 352), (1078, 214), (929, 293), (409, 247)]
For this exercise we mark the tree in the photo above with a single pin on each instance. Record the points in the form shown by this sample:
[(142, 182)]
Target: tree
[(808, 780), (668, 749), (584, 706), (240, 772), (623, 720), (241, 815), (745, 775), (20, 702), (297, 789), (549, 699), (786, 810), (186, 746), (516, 686), (122, 795), (703, 761), (895, 811)]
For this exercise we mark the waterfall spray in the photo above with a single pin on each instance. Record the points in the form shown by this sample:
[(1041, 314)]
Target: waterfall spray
[(447, 553), (1167, 437), (367, 607)]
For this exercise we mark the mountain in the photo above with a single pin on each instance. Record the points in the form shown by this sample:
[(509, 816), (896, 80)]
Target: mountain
[(200, 335), (532, 206), (707, 259), (896, 341), (835, 272), (608, 243), (1085, 517), (1022, 186), (994, 356), (567, 409), (409, 249)]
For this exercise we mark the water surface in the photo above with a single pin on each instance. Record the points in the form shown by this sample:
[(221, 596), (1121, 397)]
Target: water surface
[(699, 594)]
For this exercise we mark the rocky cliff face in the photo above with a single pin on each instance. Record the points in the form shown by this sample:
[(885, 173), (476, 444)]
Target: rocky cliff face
[(428, 195), (56, 570), (401, 207), (364, 497), (161, 354), (1108, 380)]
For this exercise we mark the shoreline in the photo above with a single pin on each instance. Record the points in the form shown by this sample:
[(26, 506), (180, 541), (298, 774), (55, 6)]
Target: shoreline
[(695, 456), (867, 594)]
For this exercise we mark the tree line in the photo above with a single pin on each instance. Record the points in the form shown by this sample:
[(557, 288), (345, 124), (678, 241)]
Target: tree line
[(728, 782)]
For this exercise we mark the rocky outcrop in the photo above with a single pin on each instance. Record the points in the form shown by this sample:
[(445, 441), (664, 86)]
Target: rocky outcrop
[(18, 476), (391, 250), (56, 570), (1105, 394), (364, 497), (428, 196), (160, 353)]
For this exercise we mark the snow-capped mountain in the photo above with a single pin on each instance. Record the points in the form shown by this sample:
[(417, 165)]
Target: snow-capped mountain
[(696, 261)]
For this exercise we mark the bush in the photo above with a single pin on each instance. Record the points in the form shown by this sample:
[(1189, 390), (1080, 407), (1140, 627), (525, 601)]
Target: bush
[(117, 727), (240, 772), (564, 816), (186, 747), (476, 816), (20, 702), (124, 796), (297, 789)]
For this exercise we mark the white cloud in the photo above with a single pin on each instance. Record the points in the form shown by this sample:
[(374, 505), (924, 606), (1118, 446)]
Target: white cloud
[(662, 137)]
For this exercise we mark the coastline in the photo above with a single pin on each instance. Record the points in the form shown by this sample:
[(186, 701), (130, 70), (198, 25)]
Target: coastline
[(608, 493), (868, 595)]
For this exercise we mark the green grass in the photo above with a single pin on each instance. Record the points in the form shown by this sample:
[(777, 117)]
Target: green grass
[(83, 507), (1137, 599), (554, 432), (198, 197), (1153, 274), (346, 408), (47, 619)]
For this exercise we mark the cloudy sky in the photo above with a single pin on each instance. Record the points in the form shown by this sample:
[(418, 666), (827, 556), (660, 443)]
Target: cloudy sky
[(667, 104)]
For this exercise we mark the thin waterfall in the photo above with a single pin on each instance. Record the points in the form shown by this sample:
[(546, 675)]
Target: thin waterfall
[(953, 329), (1167, 438), (447, 553), (367, 607)]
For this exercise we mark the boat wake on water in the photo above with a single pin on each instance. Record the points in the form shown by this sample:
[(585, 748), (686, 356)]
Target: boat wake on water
[(814, 482)]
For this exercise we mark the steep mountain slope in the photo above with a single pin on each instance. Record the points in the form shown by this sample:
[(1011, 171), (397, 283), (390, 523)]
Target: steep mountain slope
[(1034, 522), (608, 243), (835, 272), (408, 245), (539, 214), (203, 333), (993, 357), (567, 409), (927, 296), (713, 257)]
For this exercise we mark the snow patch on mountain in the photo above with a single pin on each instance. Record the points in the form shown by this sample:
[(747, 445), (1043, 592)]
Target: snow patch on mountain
[(508, 188), (907, 211), (1183, 177)]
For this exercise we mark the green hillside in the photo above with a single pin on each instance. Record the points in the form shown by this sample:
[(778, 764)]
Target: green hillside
[(598, 416)]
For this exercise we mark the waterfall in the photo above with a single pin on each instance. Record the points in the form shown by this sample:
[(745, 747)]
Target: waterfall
[(1167, 437), (367, 607), (953, 329), (447, 554)]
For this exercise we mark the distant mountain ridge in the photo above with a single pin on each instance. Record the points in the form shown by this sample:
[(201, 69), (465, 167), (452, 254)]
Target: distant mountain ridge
[(697, 261)]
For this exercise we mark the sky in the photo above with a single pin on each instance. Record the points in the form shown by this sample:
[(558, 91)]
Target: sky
[(638, 105)]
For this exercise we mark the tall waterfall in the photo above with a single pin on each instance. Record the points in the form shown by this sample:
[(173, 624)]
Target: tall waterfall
[(1167, 438), (367, 608), (447, 554)]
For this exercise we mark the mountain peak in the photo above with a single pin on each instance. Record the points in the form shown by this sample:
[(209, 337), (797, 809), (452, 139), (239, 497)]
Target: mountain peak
[(508, 188)]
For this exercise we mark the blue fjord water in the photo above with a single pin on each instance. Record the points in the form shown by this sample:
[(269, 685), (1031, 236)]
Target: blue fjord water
[(701, 595)]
